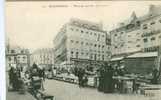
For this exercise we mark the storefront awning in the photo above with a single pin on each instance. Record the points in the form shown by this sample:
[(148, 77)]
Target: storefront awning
[(143, 54), (117, 58)]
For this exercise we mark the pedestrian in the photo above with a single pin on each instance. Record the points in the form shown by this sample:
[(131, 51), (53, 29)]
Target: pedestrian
[(43, 73), (155, 75), (42, 76), (85, 81), (75, 71), (16, 79), (36, 81), (81, 73), (19, 78), (101, 78), (11, 77), (134, 87), (108, 80)]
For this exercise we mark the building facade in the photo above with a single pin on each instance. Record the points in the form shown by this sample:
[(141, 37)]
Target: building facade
[(151, 28), (138, 34), (43, 57), (81, 41), (127, 37), (138, 40), (17, 57)]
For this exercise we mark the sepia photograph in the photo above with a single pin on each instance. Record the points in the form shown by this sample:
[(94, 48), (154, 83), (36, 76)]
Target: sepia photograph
[(83, 50)]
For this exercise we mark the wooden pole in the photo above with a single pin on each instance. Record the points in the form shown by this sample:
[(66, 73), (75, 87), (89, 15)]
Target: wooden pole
[(159, 58)]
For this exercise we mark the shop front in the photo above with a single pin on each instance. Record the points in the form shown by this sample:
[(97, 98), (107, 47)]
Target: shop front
[(141, 63)]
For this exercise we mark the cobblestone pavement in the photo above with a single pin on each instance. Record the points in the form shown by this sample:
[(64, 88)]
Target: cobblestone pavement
[(17, 96), (67, 91)]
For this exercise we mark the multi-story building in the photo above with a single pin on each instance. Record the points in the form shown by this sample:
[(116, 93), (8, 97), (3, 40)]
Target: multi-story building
[(44, 57), (139, 41), (81, 41), (127, 37), (17, 57), (138, 34), (151, 29)]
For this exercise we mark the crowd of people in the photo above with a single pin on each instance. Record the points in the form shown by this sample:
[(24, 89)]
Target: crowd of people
[(35, 76), (19, 78), (105, 75), (104, 78), (14, 78), (82, 76)]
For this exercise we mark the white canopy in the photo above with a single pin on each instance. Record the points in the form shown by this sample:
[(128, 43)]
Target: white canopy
[(143, 54)]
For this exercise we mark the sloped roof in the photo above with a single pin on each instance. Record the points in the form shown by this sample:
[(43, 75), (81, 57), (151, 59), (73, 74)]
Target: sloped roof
[(132, 18), (154, 10), (142, 55)]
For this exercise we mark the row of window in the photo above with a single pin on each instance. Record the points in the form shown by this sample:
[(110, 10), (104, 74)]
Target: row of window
[(24, 57), (151, 49), (91, 44), (14, 51), (128, 47), (153, 32), (145, 26), (138, 45), (145, 40), (120, 33), (17, 58), (91, 56), (152, 39), (133, 41), (82, 53), (87, 32), (127, 35)]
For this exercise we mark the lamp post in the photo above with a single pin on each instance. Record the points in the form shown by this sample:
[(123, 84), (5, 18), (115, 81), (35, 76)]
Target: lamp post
[(159, 56)]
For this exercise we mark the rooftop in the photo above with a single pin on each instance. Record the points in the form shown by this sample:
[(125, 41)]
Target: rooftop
[(154, 10), (86, 24)]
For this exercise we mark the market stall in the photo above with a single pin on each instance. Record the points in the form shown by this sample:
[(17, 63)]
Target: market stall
[(123, 84)]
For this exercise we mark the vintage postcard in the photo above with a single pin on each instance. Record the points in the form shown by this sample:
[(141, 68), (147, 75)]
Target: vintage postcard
[(83, 50)]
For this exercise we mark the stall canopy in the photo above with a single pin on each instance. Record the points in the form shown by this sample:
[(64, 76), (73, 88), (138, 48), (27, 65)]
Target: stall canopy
[(141, 63), (143, 55), (117, 58)]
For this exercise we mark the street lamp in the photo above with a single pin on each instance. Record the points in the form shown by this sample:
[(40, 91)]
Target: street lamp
[(159, 55)]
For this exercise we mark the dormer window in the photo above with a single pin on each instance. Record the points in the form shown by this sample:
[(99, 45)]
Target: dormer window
[(152, 23), (138, 23), (130, 26), (145, 26)]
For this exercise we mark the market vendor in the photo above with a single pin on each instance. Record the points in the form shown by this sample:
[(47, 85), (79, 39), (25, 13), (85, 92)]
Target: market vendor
[(108, 80)]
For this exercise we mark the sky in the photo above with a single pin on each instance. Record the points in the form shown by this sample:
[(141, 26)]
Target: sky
[(34, 25)]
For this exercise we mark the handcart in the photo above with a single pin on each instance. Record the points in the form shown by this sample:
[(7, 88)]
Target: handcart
[(37, 90), (35, 86)]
